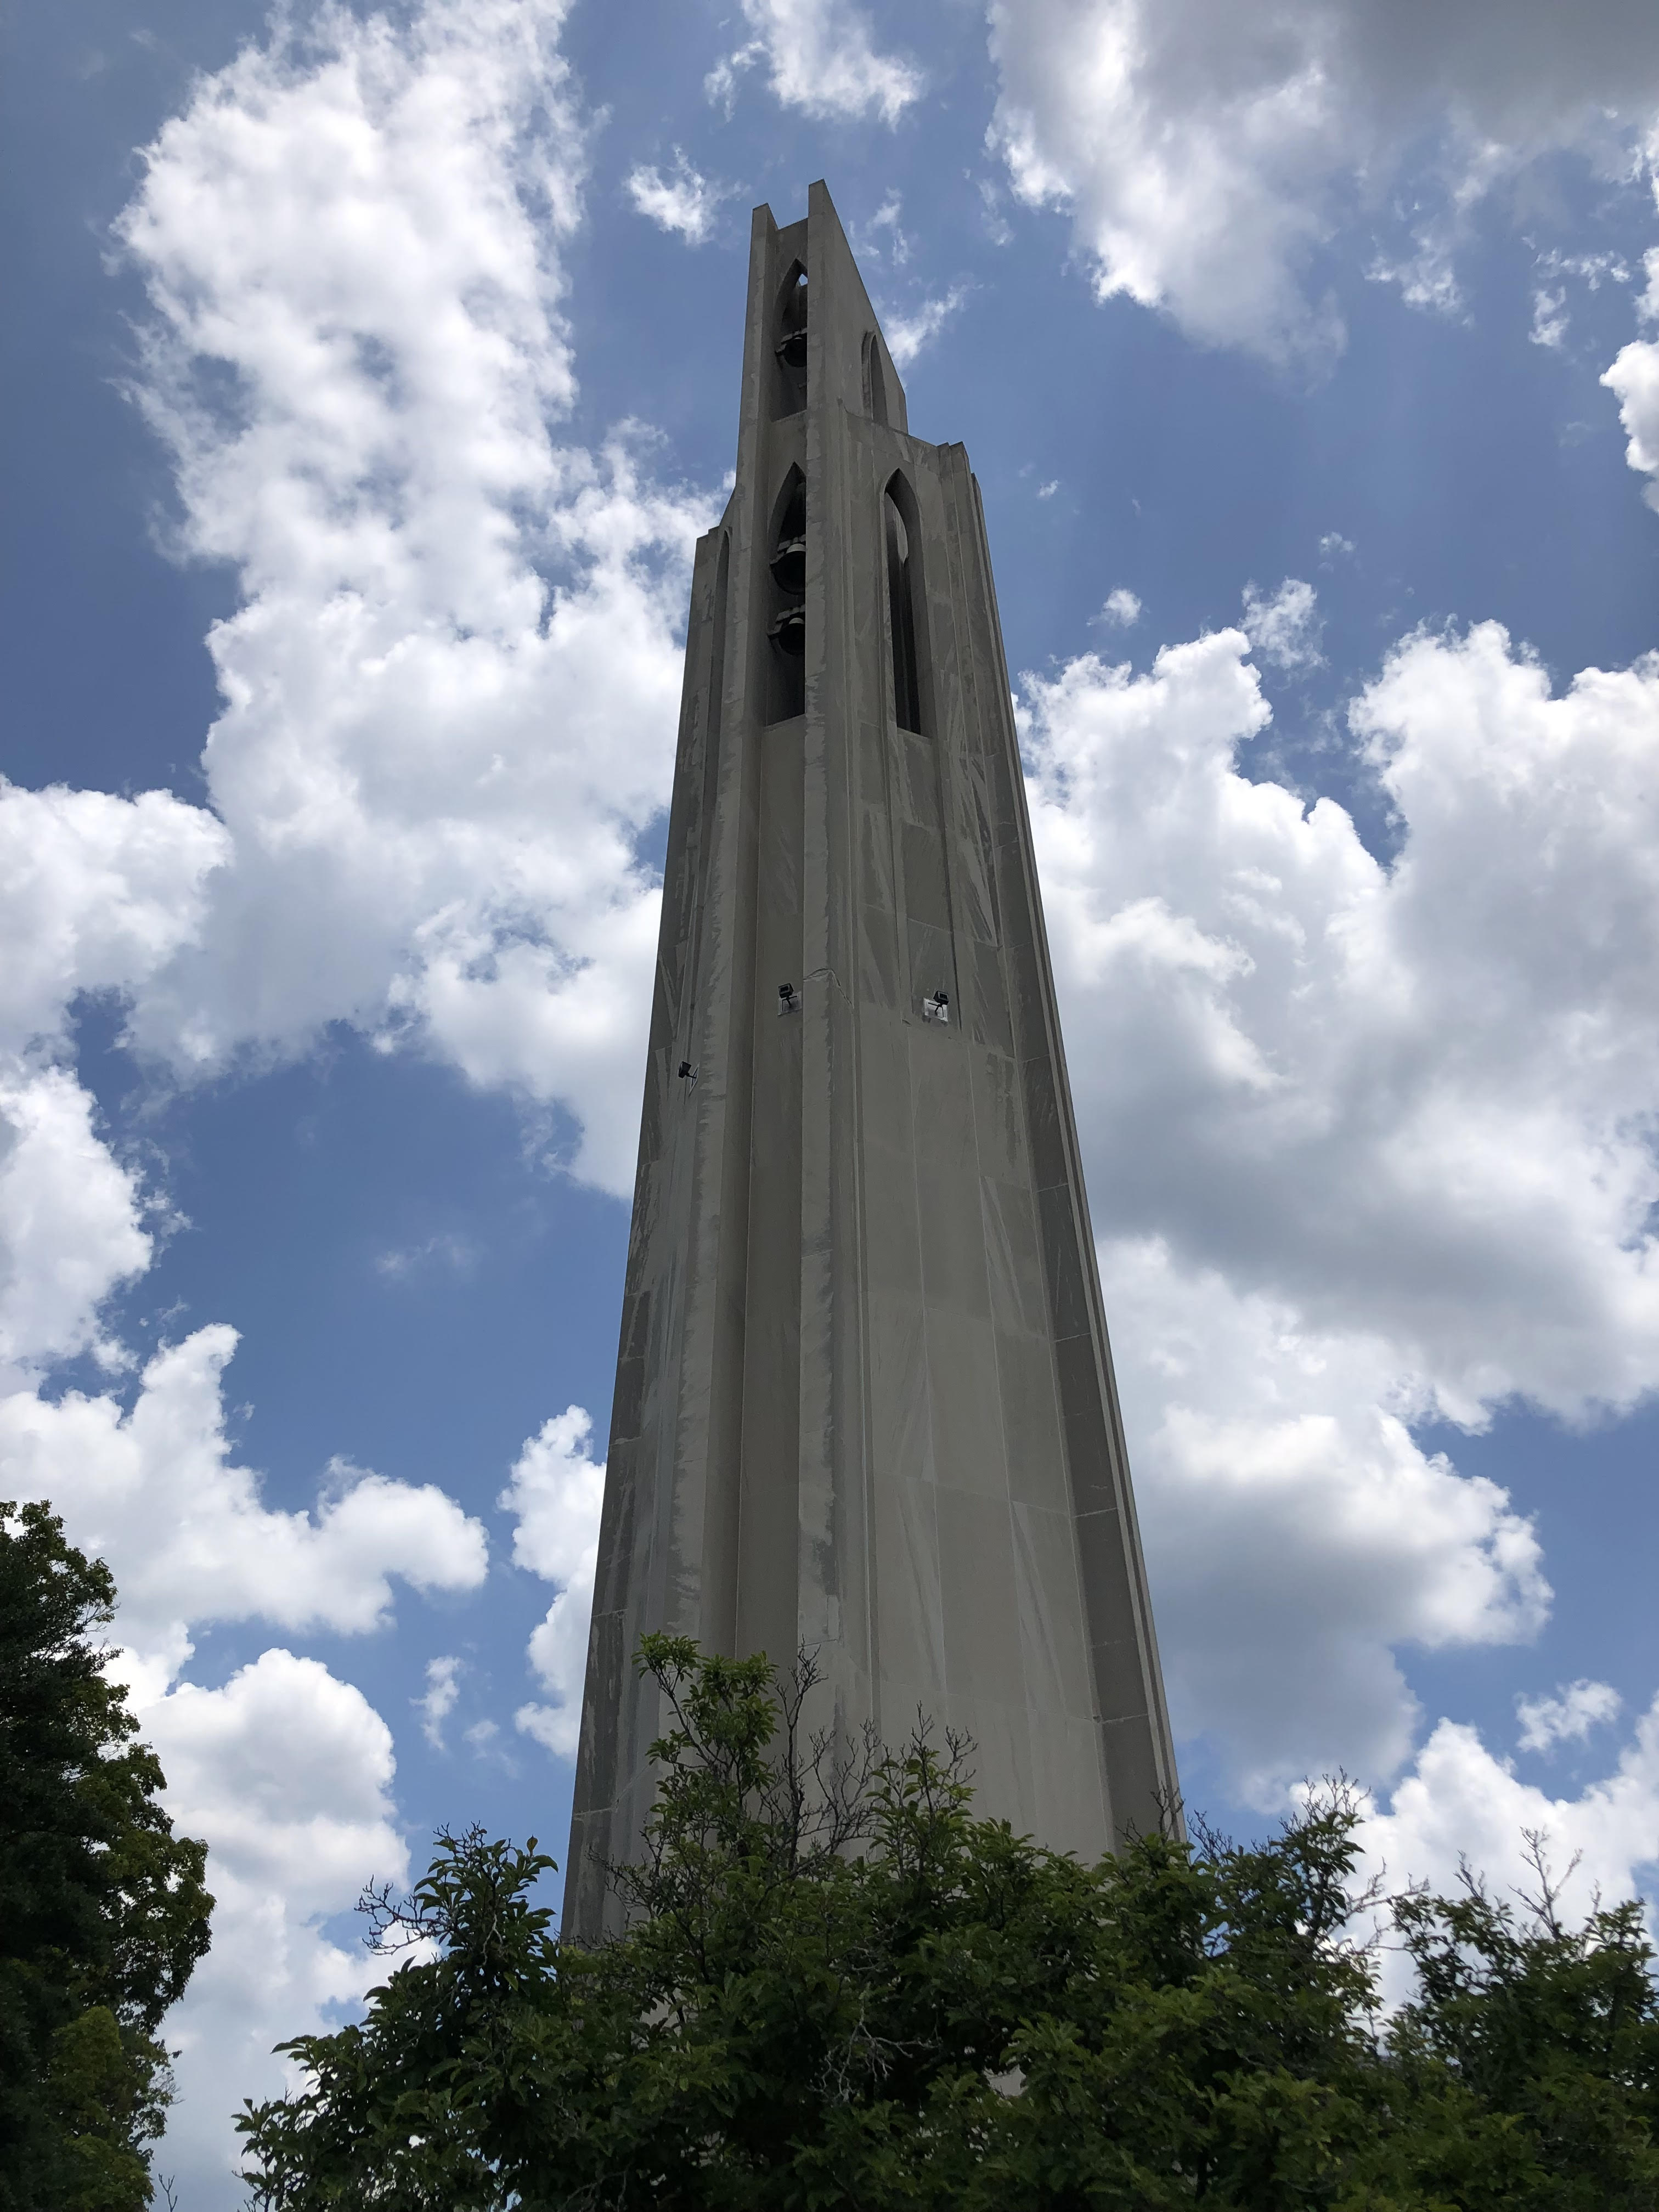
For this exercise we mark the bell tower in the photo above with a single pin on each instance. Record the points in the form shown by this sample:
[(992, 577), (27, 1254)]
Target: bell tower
[(863, 1395)]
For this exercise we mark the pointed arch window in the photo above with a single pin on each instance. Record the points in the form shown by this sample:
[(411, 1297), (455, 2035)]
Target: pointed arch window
[(875, 380), (898, 513), (786, 630), (789, 344)]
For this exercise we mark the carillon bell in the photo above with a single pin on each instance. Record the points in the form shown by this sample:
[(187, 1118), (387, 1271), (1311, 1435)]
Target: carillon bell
[(789, 628), (789, 564)]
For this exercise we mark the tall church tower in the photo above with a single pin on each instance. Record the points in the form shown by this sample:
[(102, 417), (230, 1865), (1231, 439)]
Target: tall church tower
[(864, 1396)]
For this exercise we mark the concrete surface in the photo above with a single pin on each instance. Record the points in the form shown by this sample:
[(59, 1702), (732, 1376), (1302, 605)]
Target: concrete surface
[(864, 1395)]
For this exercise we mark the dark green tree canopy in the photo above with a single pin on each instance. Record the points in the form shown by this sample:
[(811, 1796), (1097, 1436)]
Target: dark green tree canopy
[(839, 1989), (103, 1910)]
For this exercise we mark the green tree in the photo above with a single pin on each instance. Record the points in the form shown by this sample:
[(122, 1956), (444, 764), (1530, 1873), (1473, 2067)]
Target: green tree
[(841, 1990), (1536, 2046), (103, 1912)]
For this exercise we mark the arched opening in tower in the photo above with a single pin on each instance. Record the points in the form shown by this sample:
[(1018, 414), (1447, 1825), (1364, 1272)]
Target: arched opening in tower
[(899, 528), (875, 381), (785, 689), (789, 344)]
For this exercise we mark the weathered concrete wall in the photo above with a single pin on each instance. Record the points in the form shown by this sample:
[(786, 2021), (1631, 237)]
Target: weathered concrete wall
[(864, 1393)]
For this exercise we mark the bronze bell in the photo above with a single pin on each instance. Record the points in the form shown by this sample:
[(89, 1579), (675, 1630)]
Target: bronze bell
[(789, 628), (789, 564)]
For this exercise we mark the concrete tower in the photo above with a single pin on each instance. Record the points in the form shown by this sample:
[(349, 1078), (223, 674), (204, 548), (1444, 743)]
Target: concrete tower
[(864, 1396)]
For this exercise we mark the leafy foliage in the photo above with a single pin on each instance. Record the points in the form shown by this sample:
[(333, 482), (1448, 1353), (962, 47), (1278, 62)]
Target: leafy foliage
[(103, 1911), (840, 1989), (1539, 2044)]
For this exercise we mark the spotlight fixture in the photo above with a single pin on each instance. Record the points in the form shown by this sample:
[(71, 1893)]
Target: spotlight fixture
[(788, 998), (938, 1008)]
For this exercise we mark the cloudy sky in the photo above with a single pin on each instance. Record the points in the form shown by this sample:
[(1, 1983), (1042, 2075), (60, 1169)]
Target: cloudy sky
[(369, 376)]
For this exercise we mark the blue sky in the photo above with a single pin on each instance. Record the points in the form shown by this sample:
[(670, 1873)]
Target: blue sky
[(367, 379)]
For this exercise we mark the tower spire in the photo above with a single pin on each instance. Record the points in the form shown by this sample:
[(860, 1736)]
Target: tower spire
[(863, 1395)]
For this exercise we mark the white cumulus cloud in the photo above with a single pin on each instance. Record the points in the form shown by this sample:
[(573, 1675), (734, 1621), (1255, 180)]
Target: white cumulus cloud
[(443, 1688), (1208, 153), (1298, 1534), (286, 1772), (72, 1223), (684, 201), (1462, 1801), (1549, 318), (556, 1491), (1121, 608), (451, 688), (1363, 1143), (820, 57), (156, 1491), (97, 894), (1412, 1099), (907, 334), (1633, 379), (1568, 1717), (1284, 629)]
